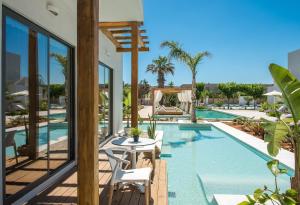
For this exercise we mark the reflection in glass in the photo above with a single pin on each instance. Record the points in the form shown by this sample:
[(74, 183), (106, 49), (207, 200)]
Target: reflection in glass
[(59, 66), (36, 137), (104, 101)]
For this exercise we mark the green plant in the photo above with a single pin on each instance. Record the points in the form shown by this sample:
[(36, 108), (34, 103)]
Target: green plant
[(151, 128), (199, 89), (279, 131), (127, 107), (161, 66), (229, 90), (44, 105), (135, 131), (202, 107), (265, 106), (248, 99), (191, 61), (219, 103), (265, 195)]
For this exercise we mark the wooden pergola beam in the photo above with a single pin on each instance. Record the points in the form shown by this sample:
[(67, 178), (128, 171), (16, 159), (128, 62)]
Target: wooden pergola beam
[(134, 74), (120, 24), (144, 49), (110, 36), (87, 101), (128, 37)]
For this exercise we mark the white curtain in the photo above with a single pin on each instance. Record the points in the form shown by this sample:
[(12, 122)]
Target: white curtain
[(157, 97)]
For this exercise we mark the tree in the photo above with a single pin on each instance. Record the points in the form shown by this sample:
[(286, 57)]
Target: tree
[(161, 66), (191, 61), (199, 89), (281, 130), (144, 88), (229, 90), (256, 91), (171, 84)]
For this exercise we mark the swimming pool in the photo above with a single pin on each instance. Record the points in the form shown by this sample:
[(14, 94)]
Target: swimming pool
[(212, 114), (203, 160), (57, 130)]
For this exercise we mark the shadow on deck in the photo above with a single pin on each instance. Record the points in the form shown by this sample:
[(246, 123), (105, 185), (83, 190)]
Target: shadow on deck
[(65, 192)]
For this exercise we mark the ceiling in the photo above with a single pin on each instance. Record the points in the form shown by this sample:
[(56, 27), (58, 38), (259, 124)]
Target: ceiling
[(121, 10)]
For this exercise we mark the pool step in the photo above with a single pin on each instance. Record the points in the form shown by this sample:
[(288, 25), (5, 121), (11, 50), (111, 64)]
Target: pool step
[(166, 155)]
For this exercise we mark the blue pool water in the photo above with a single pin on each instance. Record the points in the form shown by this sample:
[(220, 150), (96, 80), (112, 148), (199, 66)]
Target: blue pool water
[(212, 114), (203, 160), (56, 131)]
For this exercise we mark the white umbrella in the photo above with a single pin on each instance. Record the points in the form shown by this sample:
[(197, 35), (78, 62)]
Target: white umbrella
[(20, 93), (273, 93)]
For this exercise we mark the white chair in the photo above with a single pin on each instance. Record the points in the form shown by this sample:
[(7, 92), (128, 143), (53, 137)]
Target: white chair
[(119, 175), (151, 148)]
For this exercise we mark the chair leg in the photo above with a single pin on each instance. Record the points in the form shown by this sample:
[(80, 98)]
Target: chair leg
[(110, 194), (147, 197), (153, 159)]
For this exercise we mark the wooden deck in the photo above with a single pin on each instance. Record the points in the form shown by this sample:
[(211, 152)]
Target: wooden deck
[(65, 192)]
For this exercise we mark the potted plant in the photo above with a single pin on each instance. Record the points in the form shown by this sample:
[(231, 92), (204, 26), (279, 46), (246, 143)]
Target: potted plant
[(135, 133)]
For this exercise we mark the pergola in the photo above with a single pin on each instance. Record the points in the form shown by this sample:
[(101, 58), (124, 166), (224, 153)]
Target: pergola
[(166, 90), (126, 36)]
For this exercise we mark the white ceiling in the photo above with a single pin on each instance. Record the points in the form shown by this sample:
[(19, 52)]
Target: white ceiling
[(121, 10)]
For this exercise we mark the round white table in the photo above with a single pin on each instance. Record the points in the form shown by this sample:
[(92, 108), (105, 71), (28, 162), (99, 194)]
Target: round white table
[(128, 142)]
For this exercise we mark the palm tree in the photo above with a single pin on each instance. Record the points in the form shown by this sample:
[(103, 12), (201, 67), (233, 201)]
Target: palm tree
[(161, 66), (191, 61)]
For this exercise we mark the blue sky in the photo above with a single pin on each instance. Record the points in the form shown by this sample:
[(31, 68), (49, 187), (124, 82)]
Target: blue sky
[(244, 37)]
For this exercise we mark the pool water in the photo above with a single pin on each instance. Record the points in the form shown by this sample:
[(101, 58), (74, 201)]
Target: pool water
[(56, 131), (212, 114), (203, 160)]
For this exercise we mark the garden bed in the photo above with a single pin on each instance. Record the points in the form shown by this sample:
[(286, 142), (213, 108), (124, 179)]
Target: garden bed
[(285, 145)]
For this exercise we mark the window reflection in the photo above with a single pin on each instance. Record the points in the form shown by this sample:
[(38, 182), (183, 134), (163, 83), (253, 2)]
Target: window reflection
[(105, 90), (36, 138)]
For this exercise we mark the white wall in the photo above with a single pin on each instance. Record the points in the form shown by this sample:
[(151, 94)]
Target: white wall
[(294, 63)]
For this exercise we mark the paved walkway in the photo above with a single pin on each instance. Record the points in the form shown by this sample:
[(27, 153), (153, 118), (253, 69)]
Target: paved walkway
[(147, 110), (249, 113)]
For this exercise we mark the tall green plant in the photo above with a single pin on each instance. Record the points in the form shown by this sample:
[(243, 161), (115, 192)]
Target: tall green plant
[(151, 128), (229, 90), (279, 131), (191, 61), (127, 107), (256, 91)]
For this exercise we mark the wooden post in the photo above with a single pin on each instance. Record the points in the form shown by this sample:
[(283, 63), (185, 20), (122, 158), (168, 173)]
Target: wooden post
[(87, 107), (32, 88), (134, 75)]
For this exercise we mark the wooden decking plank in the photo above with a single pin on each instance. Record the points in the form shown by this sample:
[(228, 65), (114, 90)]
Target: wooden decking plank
[(66, 192), (162, 188)]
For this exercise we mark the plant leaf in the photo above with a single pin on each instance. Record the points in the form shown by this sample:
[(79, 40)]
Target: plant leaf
[(290, 88), (275, 133)]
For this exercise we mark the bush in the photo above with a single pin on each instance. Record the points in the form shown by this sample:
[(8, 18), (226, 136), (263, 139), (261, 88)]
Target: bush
[(219, 103), (202, 107)]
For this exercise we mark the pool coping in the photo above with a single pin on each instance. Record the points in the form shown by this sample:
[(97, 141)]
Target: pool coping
[(284, 156)]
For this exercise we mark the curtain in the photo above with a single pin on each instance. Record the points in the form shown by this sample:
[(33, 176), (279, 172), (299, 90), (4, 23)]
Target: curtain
[(157, 97)]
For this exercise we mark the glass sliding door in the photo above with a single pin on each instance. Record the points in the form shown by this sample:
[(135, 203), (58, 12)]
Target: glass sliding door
[(59, 119), (105, 99), (37, 82)]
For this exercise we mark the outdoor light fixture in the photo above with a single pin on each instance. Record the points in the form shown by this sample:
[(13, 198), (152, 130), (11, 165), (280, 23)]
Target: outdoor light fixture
[(53, 9)]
